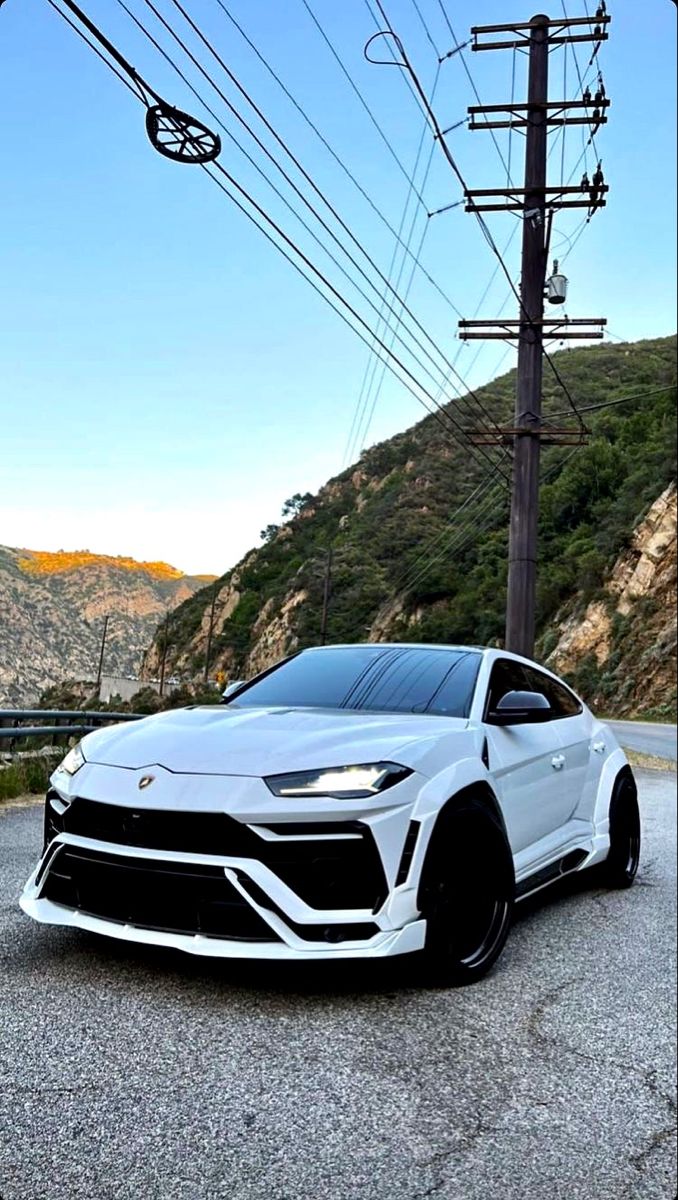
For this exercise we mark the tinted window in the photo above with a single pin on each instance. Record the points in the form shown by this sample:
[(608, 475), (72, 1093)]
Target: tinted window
[(506, 677), (510, 676), (370, 678), (562, 702)]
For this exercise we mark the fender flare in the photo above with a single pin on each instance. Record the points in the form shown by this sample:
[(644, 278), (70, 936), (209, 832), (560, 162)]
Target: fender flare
[(445, 793), (615, 766)]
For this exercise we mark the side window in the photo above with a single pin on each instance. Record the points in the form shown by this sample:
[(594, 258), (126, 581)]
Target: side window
[(562, 702), (507, 676)]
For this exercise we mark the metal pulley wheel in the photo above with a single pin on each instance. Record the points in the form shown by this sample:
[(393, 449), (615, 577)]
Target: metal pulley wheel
[(181, 137)]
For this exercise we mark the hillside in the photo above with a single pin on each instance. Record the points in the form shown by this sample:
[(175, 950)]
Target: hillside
[(403, 569), (53, 607)]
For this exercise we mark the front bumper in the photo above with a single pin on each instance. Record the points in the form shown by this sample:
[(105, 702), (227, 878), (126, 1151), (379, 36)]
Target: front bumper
[(321, 888)]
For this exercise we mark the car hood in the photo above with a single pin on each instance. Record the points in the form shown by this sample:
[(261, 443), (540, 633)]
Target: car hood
[(258, 741)]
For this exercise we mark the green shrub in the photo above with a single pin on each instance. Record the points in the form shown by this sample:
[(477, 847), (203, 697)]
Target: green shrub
[(26, 776)]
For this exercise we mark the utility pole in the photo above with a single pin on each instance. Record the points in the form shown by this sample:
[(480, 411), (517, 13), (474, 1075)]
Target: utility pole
[(326, 598), (101, 652), (536, 118), (522, 565), (163, 658), (208, 648)]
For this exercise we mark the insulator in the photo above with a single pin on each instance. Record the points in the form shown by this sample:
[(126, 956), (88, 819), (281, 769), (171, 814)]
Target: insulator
[(587, 96), (585, 182), (179, 136), (598, 32)]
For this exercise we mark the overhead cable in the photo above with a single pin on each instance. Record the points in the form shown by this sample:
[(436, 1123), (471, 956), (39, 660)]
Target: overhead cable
[(330, 149)]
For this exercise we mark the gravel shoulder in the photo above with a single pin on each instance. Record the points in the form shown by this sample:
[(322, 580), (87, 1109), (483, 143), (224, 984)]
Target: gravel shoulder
[(128, 1073)]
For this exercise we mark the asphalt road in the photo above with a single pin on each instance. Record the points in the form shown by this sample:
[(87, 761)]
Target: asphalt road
[(128, 1074), (648, 737)]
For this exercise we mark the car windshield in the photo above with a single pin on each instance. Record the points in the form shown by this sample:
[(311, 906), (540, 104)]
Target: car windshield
[(410, 679)]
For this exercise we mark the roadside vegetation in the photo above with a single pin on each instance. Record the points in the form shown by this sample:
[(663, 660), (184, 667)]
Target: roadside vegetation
[(25, 776)]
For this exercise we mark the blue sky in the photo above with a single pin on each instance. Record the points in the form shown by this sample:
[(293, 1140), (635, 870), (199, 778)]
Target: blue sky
[(168, 379)]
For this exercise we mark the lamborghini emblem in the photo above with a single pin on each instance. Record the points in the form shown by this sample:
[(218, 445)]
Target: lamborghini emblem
[(145, 781)]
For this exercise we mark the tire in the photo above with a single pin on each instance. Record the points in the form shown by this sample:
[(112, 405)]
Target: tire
[(466, 894), (621, 865)]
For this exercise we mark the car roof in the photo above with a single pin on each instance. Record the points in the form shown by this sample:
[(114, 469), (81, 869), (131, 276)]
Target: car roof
[(396, 646)]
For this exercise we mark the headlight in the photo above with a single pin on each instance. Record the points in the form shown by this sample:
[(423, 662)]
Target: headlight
[(73, 761), (339, 783)]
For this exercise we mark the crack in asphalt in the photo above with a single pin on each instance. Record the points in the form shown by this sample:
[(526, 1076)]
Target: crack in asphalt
[(441, 1158), (639, 1161), (648, 1078)]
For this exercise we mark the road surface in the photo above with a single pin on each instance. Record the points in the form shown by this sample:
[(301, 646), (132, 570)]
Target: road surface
[(128, 1073), (647, 737)]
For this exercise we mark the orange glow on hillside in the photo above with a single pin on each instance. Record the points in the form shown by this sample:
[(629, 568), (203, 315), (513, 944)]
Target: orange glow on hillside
[(47, 562)]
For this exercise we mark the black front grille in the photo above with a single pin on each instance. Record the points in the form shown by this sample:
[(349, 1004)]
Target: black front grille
[(166, 896), (341, 873)]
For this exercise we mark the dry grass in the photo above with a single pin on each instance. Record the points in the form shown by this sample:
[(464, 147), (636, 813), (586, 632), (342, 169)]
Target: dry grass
[(649, 762)]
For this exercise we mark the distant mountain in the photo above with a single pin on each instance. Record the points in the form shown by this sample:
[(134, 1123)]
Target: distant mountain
[(52, 610), (409, 564)]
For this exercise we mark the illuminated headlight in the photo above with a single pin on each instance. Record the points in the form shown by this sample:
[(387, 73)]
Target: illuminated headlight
[(73, 761), (339, 783)]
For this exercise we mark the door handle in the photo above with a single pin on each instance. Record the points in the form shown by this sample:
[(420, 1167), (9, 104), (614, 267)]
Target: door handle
[(599, 747), (558, 762)]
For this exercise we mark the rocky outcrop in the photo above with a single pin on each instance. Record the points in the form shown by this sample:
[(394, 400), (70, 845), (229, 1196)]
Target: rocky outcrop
[(273, 634), (53, 607), (632, 630)]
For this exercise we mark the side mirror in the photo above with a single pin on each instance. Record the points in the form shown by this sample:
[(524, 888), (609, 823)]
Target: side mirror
[(233, 687), (520, 708)]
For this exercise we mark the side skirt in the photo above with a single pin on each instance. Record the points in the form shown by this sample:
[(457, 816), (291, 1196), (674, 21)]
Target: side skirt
[(555, 870)]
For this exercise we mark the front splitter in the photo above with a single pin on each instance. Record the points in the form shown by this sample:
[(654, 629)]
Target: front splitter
[(384, 945)]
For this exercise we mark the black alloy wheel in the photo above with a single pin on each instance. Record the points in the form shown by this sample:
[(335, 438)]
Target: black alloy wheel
[(466, 894), (621, 866)]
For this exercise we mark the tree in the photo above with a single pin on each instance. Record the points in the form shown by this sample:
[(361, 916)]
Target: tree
[(295, 504), (269, 533)]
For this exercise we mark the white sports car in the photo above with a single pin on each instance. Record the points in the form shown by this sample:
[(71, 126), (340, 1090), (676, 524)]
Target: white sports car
[(352, 802)]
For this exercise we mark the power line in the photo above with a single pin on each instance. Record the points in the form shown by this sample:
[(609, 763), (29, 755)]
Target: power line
[(377, 25), (305, 225), (460, 539), (417, 323), (471, 80), (95, 48), (623, 400), (406, 64), (363, 425), (356, 315), (450, 419), (337, 158), (308, 204), (425, 556), (361, 98), (444, 413), (375, 398), (426, 29)]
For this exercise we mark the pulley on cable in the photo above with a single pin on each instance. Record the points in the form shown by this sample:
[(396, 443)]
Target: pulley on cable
[(173, 133)]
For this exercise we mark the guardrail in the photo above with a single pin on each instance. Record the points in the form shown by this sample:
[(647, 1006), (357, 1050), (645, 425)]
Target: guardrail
[(53, 724)]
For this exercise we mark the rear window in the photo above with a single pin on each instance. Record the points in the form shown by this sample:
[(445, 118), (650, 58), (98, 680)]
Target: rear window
[(408, 679)]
